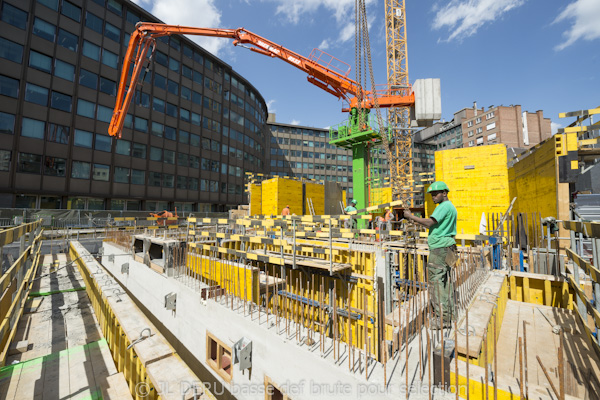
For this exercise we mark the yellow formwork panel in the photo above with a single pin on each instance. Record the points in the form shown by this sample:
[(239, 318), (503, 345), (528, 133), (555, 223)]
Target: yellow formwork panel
[(478, 182), (380, 196), (315, 192), (279, 192), (255, 199)]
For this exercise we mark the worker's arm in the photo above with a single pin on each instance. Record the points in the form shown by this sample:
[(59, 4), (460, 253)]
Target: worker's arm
[(426, 222)]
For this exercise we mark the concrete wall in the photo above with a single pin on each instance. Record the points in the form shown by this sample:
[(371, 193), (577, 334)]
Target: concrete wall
[(297, 369)]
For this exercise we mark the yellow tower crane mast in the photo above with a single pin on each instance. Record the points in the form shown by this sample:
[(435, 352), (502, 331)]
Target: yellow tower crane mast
[(400, 162)]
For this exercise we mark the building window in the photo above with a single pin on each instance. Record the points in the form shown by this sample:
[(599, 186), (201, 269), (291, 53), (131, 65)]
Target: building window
[(171, 110), (44, 29), (478, 120), (109, 58), (80, 170), (7, 123), (88, 79), (168, 180), (10, 50), (470, 124), (121, 175), (490, 115), (170, 133), (40, 61), (52, 4), (184, 137), (479, 140), (186, 93), (14, 16), (141, 124), (471, 143), (479, 130), (132, 17), (138, 150), (173, 87), (123, 147), (54, 166), (101, 172), (5, 156), (112, 32), (182, 159), (9, 86), (86, 108), (155, 154), (103, 113), (61, 101), (141, 98), (158, 105), (490, 126), (169, 157), (138, 177), (33, 128), (71, 11), (83, 138), (218, 356), (103, 143), (160, 81), (109, 87), (491, 137), (31, 163), (36, 94), (115, 7), (173, 64), (91, 50), (181, 182), (64, 70), (154, 178), (57, 133), (93, 22), (68, 40), (187, 71)]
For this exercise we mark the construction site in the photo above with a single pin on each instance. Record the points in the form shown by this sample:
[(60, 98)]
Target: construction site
[(305, 291)]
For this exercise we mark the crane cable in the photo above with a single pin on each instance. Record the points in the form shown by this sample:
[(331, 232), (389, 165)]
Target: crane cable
[(362, 41)]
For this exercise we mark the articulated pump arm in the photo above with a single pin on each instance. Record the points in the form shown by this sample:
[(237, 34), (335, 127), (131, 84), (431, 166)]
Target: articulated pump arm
[(323, 74)]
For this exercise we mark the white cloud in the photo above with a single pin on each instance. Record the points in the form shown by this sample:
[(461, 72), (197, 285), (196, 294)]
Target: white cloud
[(324, 44), (294, 9), (464, 17), (196, 13), (295, 122), (585, 18), (270, 106), (554, 127)]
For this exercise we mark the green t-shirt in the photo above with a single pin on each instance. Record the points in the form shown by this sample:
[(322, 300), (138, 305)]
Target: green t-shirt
[(349, 209), (442, 233)]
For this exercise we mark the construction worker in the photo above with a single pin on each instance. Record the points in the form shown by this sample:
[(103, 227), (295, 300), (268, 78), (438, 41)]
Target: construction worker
[(350, 223), (286, 211), (389, 217), (442, 252)]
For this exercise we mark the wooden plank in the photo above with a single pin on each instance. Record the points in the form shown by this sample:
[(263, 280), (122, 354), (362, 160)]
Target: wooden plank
[(81, 375), (116, 388)]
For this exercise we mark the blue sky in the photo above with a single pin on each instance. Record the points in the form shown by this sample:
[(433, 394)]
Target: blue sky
[(541, 54)]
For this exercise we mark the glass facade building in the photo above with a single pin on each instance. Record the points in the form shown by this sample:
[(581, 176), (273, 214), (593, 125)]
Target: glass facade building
[(194, 128)]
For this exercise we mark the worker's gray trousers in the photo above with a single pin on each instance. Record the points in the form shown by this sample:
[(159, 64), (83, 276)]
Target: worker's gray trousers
[(439, 266)]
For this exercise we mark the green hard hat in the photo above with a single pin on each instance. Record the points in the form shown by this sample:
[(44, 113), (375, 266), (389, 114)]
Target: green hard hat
[(437, 186), (354, 201)]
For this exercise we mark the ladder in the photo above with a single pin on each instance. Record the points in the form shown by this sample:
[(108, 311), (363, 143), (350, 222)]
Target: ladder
[(309, 203)]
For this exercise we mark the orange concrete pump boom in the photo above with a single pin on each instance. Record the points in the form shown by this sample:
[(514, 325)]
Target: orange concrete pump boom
[(320, 69)]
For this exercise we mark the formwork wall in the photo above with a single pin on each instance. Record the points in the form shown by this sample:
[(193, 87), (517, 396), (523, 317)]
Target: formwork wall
[(255, 199), (316, 193), (478, 182), (279, 192), (380, 196), (534, 181)]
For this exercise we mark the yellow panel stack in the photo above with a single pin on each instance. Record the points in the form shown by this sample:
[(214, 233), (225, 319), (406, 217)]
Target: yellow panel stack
[(316, 193), (478, 182), (279, 192), (255, 199)]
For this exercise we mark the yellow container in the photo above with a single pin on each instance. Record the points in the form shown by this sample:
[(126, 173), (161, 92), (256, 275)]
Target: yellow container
[(478, 182), (255, 199), (279, 192)]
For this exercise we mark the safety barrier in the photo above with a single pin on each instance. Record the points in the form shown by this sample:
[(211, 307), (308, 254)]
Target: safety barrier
[(15, 284)]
